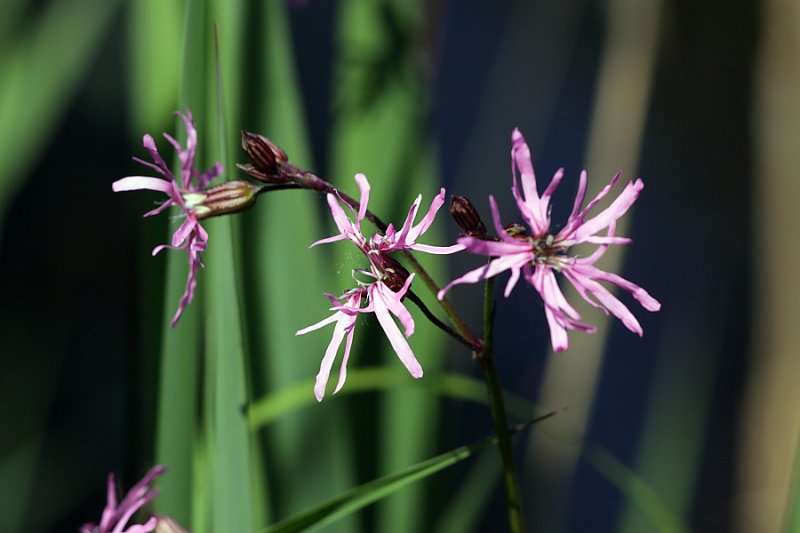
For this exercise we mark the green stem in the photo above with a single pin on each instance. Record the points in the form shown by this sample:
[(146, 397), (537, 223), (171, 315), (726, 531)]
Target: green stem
[(486, 359)]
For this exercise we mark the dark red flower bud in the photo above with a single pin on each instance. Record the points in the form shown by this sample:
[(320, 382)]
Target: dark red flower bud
[(467, 217), (267, 157)]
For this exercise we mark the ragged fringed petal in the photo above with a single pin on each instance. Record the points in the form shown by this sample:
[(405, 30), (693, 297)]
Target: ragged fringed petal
[(137, 183), (115, 516), (406, 237), (584, 284), (345, 319), (402, 236), (612, 213), (205, 178), (399, 344), (496, 266), (437, 250), (528, 200), (150, 145), (639, 294), (364, 188), (330, 355), (498, 224), (343, 223)]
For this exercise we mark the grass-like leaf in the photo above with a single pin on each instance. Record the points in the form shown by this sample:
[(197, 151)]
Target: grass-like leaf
[(181, 354), (373, 491)]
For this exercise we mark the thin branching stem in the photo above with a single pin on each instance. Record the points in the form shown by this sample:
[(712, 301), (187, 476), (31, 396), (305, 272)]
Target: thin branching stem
[(438, 323)]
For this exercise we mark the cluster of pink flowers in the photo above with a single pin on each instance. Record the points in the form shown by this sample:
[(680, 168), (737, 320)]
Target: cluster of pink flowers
[(388, 285), (537, 254)]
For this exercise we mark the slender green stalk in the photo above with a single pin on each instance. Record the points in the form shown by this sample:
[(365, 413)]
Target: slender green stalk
[(497, 406)]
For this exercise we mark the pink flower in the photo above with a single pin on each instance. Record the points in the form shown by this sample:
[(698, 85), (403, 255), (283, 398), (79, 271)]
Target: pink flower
[(388, 282), (188, 193), (115, 517), (543, 253)]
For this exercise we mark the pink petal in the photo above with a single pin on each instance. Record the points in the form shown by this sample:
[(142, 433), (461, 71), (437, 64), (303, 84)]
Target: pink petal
[(363, 187), (393, 303), (349, 327), (512, 282), (487, 271), (164, 172), (498, 224), (427, 220), (339, 216), (327, 240), (531, 208), (313, 327), (579, 197), (641, 295), (183, 231), (558, 333), (399, 344), (608, 300), (150, 146), (548, 192), (160, 209), (612, 213), (327, 360), (494, 248), (401, 236), (439, 250), (137, 183)]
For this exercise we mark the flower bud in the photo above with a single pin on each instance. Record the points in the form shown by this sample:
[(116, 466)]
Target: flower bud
[(230, 197), (467, 217), (267, 157)]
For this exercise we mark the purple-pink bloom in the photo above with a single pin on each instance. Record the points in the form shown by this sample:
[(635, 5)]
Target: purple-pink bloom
[(538, 256), (187, 193), (383, 293), (116, 516)]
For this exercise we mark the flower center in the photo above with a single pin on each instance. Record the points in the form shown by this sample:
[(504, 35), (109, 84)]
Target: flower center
[(549, 252)]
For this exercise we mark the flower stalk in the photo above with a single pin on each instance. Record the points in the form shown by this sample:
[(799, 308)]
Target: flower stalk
[(499, 417)]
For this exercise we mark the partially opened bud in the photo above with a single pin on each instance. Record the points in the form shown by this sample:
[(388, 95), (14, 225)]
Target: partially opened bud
[(230, 197), (267, 157), (467, 217)]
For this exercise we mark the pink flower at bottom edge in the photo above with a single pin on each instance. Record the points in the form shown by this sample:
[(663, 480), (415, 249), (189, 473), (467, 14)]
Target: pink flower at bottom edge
[(115, 516), (538, 256)]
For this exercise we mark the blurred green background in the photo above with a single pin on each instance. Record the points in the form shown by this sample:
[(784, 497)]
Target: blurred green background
[(693, 426)]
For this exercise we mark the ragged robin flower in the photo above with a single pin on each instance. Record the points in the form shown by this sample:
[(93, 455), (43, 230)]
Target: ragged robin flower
[(381, 288), (192, 194), (539, 254)]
